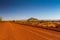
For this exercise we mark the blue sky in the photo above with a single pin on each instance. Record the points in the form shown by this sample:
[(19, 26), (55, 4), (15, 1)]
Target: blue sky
[(24, 9)]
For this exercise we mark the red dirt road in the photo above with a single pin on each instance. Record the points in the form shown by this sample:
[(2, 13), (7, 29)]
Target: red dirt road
[(14, 31)]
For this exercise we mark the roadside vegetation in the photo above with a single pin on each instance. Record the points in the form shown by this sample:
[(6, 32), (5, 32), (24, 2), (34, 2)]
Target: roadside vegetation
[(0, 19), (33, 22), (45, 24)]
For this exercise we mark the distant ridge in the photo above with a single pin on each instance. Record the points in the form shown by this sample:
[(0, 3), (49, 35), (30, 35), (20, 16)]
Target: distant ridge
[(32, 19)]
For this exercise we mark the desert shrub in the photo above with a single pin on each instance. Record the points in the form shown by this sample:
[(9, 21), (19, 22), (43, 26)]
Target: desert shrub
[(0, 19)]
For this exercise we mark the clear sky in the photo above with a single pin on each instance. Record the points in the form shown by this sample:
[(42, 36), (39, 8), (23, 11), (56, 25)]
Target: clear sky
[(24, 9)]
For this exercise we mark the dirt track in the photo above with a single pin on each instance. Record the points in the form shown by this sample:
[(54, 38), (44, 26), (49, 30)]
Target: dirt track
[(14, 31)]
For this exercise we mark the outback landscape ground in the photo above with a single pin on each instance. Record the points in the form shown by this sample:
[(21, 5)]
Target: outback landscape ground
[(28, 30)]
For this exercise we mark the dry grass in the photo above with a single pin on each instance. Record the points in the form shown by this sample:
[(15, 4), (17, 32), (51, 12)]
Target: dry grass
[(45, 25)]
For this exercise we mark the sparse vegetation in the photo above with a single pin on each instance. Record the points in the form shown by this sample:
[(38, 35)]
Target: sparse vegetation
[(0, 19), (51, 25)]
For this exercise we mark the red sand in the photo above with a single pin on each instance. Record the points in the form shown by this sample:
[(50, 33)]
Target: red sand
[(14, 31)]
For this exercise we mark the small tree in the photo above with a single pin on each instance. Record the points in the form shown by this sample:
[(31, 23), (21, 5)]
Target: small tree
[(0, 18)]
